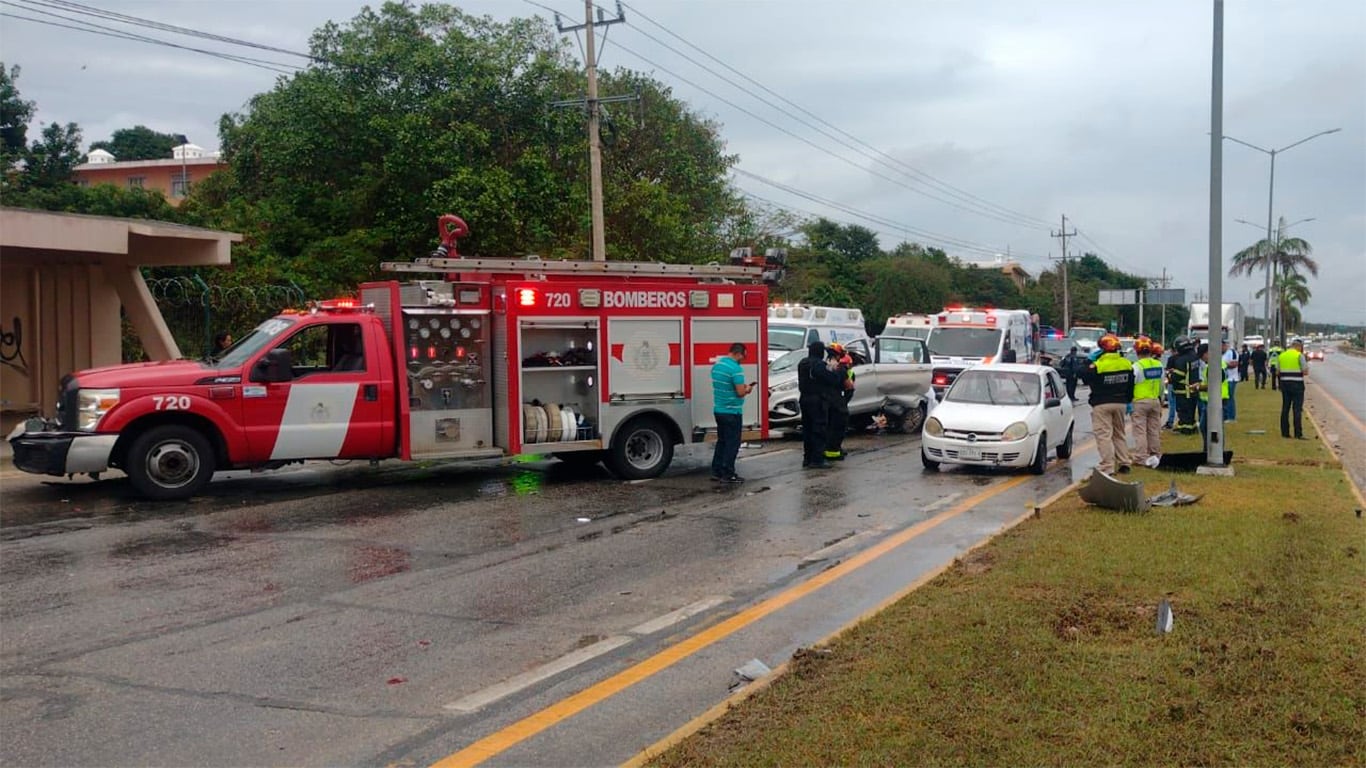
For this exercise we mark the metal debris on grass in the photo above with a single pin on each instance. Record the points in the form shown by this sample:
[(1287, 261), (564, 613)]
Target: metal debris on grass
[(1173, 498)]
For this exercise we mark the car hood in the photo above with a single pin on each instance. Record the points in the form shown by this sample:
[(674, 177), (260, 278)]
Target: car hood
[(976, 417), (167, 373)]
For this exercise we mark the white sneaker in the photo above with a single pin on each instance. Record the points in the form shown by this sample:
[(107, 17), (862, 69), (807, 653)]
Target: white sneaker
[(1151, 462)]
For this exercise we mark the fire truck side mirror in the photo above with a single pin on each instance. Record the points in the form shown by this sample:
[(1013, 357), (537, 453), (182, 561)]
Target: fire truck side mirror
[(277, 365)]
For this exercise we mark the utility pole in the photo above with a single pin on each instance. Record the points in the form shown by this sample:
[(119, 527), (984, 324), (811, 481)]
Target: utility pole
[(1063, 234), (594, 112)]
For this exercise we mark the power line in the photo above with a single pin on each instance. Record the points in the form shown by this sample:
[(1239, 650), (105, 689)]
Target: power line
[(90, 29), (903, 228), (123, 18), (925, 178), (804, 140)]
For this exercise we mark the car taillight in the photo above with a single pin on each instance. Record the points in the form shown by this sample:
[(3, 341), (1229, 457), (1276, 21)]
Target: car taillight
[(941, 378)]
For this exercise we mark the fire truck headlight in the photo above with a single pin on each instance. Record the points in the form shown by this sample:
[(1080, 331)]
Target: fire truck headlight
[(92, 405)]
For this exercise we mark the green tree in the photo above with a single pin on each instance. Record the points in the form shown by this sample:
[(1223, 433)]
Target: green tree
[(51, 160), (140, 143), (15, 114), (1282, 252), (1289, 290), (412, 113)]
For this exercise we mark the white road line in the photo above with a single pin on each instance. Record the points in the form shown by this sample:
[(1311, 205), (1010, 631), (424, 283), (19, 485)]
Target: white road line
[(944, 502), (529, 678), (673, 617)]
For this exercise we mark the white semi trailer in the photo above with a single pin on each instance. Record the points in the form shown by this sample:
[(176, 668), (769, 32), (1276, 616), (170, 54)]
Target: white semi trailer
[(1231, 323)]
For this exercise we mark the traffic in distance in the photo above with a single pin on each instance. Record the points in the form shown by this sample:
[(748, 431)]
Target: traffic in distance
[(584, 361)]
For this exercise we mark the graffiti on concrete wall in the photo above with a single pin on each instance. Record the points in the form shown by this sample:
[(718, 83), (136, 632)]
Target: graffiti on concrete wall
[(12, 347)]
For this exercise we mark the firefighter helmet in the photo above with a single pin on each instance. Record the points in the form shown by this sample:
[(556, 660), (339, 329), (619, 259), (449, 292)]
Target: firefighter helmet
[(1143, 345), (1108, 343), (1157, 349)]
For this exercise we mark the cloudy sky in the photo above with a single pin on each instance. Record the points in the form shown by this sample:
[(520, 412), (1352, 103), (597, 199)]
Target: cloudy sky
[(979, 122)]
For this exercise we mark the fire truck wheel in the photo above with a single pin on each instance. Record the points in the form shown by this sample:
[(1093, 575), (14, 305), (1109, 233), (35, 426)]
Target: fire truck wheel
[(169, 462), (640, 450)]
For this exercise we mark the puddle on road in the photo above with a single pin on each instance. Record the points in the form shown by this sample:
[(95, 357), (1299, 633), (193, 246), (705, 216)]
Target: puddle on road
[(177, 543), (28, 564)]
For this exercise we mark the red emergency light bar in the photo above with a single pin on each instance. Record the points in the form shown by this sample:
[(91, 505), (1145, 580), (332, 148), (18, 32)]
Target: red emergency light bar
[(343, 304)]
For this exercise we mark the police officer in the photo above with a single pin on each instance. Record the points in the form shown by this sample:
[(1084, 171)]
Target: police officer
[(839, 360), (1111, 379), (1147, 418), (1293, 368), (1071, 368), (814, 380), (1273, 361)]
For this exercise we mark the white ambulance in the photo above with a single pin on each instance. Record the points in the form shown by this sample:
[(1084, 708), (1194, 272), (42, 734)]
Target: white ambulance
[(794, 326), (966, 336), (909, 325)]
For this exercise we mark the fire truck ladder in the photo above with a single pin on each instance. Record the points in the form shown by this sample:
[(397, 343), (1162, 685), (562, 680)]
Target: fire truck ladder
[(537, 267)]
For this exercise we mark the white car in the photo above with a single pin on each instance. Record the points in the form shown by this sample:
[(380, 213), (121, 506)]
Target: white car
[(1000, 416)]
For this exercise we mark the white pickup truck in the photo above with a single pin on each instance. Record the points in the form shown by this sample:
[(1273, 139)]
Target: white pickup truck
[(887, 368)]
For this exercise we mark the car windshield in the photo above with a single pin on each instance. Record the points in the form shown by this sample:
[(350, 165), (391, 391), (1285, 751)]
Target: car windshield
[(787, 362), (964, 342), (786, 337), (983, 386), (907, 331), (1087, 334), (262, 336)]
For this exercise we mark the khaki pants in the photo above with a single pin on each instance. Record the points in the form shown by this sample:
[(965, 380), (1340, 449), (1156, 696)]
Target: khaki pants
[(1107, 421), (1147, 427)]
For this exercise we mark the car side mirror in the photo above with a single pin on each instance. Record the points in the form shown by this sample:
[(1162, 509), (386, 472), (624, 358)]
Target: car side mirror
[(1052, 402), (276, 366)]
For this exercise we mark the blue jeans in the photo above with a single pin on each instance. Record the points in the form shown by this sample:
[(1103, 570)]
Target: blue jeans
[(1231, 405), (1171, 407), (728, 426)]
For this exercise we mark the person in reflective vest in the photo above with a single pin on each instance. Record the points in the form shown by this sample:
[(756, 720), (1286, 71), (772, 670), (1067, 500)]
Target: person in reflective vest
[(839, 360), (1293, 368), (1273, 361), (1111, 379), (1204, 388), (1147, 416), (1183, 371)]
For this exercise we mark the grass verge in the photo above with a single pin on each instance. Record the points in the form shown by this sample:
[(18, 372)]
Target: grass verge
[(1040, 649)]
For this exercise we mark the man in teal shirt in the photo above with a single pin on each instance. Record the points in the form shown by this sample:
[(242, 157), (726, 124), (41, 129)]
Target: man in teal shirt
[(728, 397)]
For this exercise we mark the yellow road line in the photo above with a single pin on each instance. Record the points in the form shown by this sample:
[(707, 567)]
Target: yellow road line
[(502, 740), (720, 708)]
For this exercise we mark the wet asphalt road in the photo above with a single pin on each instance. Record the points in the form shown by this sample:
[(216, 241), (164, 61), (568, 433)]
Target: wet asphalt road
[(372, 615)]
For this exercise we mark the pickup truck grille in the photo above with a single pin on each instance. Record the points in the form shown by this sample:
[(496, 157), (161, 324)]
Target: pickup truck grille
[(68, 406)]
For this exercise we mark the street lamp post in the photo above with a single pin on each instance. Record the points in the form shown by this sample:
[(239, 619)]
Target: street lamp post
[(1270, 197)]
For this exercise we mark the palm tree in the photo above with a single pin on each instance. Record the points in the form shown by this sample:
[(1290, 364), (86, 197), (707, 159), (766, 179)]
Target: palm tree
[(1281, 253), (1289, 288)]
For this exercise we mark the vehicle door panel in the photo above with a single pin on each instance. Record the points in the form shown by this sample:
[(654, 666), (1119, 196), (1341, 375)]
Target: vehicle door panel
[(1055, 419), (331, 407)]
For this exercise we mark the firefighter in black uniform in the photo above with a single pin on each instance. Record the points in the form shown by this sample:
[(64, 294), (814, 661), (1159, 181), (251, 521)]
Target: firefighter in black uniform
[(1183, 370), (814, 381), (839, 360)]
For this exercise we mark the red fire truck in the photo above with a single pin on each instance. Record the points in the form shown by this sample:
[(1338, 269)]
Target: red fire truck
[(586, 361)]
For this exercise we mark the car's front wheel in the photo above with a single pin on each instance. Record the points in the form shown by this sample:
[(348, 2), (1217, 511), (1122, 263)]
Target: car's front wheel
[(171, 461), (930, 464), (1040, 455), (1065, 447)]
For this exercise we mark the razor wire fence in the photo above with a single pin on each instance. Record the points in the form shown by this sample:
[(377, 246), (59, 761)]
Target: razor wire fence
[(196, 311)]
